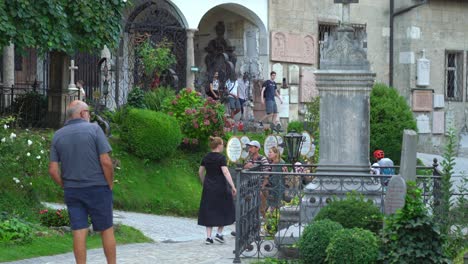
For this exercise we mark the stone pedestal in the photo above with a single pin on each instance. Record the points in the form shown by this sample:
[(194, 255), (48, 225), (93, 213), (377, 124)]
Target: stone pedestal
[(344, 120)]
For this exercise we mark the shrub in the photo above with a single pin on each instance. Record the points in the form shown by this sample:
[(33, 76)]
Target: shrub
[(136, 98), (55, 218), (389, 116), (14, 230), (154, 99), (199, 118), (149, 134), (353, 246), (315, 239), (410, 235), (353, 211), (297, 126)]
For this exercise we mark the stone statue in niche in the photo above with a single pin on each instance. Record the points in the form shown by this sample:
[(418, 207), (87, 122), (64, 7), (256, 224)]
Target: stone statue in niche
[(221, 57)]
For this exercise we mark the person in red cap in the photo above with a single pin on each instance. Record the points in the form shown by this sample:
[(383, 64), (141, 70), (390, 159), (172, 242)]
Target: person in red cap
[(385, 164)]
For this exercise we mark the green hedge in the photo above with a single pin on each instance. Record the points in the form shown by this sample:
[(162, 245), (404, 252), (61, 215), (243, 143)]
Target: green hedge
[(353, 246), (150, 135), (390, 114), (315, 239), (354, 211)]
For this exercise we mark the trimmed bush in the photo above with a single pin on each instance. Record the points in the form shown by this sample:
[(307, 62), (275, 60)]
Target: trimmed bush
[(354, 211), (389, 116), (315, 239), (353, 246), (297, 126), (150, 135)]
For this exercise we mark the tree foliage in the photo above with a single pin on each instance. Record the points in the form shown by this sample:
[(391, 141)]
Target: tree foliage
[(389, 116), (60, 25)]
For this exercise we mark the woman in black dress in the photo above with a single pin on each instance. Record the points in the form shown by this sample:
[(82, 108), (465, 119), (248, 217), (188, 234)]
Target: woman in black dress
[(217, 203)]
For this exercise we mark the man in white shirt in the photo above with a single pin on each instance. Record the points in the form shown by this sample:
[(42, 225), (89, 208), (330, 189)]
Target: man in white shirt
[(234, 104), (243, 88)]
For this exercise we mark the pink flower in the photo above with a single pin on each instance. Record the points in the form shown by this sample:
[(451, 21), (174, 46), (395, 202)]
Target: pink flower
[(189, 90), (195, 125), (43, 211), (174, 102), (194, 141), (188, 111), (215, 120), (206, 122), (199, 94), (170, 113), (178, 96), (186, 140)]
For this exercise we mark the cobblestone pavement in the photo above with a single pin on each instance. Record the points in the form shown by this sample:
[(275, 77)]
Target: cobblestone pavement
[(176, 240)]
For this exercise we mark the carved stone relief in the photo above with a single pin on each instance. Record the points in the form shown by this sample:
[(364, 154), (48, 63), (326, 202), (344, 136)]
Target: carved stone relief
[(293, 47)]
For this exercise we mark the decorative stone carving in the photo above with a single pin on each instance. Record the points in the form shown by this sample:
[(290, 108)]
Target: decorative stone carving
[(308, 88), (422, 121), (438, 122), (293, 74), (293, 47), (422, 100)]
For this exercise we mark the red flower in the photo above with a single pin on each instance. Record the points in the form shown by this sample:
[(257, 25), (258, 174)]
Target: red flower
[(43, 211)]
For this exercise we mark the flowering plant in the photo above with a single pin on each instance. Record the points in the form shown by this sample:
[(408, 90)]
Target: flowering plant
[(198, 118), (56, 218)]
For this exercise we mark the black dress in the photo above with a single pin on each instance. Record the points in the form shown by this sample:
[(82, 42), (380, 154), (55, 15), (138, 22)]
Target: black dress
[(217, 204)]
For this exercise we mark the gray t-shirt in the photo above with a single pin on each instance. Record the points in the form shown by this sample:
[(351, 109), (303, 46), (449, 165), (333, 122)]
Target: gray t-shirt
[(77, 147)]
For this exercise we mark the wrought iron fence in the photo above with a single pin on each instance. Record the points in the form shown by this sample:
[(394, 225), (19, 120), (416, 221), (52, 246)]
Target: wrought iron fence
[(273, 207)]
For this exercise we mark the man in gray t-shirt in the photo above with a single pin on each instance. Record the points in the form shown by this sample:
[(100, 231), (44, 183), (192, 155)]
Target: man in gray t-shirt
[(81, 150)]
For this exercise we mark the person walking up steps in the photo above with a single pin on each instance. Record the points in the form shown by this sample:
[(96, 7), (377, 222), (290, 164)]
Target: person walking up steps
[(269, 91), (217, 203), (86, 175)]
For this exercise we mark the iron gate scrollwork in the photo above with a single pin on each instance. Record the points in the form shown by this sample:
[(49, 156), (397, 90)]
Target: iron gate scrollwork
[(156, 21)]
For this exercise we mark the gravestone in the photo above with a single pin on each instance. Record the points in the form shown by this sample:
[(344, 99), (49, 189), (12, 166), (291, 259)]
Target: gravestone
[(270, 142), (234, 149), (245, 152), (283, 108), (293, 74), (278, 68), (422, 100), (308, 87), (306, 143), (293, 94), (422, 122), (396, 193), (280, 144)]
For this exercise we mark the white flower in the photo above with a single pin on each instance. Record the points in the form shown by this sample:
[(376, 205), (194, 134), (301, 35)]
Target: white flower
[(29, 142), (30, 183), (43, 138), (21, 186), (28, 154), (38, 157), (42, 151), (5, 126), (3, 139), (27, 130), (118, 168), (15, 179), (12, 136)]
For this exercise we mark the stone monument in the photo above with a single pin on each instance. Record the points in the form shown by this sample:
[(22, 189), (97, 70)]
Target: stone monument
[(344, 82), (396, 193)]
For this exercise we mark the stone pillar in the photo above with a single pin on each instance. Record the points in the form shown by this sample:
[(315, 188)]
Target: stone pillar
[(190, 57), (9, 65), (344, 120), (408, 155)]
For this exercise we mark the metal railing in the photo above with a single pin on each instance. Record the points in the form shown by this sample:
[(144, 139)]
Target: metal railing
[(273, 207)]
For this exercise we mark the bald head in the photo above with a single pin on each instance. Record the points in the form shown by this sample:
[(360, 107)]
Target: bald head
[(75, 110)]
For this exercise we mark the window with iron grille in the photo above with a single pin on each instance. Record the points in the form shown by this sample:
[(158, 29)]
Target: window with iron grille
[(326, 29), (453, 75)]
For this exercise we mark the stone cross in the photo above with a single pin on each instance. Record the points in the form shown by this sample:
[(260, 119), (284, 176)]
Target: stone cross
[(345, 17), (72, 68)]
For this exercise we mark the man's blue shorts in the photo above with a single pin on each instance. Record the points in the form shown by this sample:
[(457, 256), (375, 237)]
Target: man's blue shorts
[(95, 201)]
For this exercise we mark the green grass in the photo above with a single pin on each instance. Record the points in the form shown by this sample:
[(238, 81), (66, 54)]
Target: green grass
[(168, 187), (52, 243)]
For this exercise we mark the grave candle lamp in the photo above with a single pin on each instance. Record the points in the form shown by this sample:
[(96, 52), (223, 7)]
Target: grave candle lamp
[(293, 142)]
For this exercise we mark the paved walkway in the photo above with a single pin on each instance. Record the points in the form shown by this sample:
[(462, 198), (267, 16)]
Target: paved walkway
[(176, 240)]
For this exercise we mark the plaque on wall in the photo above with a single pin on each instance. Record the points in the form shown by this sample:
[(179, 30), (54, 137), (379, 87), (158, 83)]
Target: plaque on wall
[(293, 71), (234, 149), (308, 88), (293, 47), (422, 100), (270, 142), (438, 122)]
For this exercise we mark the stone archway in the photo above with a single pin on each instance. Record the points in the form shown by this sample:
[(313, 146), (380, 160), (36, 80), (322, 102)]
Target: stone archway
[(245, 35), (156, 20)]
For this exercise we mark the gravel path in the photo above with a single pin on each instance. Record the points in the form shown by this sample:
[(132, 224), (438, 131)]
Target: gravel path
[(176, 240)]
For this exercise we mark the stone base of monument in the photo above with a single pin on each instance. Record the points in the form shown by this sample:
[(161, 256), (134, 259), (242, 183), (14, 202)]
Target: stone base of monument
[(286, 238)]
